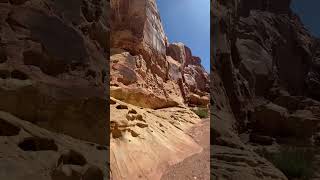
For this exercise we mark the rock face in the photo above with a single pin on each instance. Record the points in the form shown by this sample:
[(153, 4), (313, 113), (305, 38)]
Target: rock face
[(136, 26), (31, 152), (53, 63), (152, 83), (264, 83), (143, 63)]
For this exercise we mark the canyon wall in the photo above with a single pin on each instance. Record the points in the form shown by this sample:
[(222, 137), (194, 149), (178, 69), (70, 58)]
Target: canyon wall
[(153, 84), (53, 77), (143, 62), (265, 84)]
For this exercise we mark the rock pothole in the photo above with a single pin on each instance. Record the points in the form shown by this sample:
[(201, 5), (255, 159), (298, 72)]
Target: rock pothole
[(130, 117), (134, 134), (116, 133), (3, 56), (18, 2), (48, 66), (122, 106), (112, 101), (103, 76), (8, 129), (132, 111), (102, 148), (140, 118), (4, 74), (73, 158), (91, 73), (38, 144), (16, 74), (141, 125)]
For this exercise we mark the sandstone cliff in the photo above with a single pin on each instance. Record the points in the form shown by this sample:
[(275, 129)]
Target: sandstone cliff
[(265, 86), (53, 67), (152, 85)]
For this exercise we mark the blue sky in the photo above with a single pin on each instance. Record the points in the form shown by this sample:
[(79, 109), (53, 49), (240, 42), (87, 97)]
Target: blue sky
[(188, 21), (309, 12)]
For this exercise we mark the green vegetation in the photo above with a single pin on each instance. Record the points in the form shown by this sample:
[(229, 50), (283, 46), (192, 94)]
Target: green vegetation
[(294, 162), (201, 112)]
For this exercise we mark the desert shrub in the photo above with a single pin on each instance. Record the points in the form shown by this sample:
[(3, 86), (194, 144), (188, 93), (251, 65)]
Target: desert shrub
[(201, 112)]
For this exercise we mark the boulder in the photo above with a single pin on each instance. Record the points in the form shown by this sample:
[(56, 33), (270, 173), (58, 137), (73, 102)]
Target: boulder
[(195, 99)]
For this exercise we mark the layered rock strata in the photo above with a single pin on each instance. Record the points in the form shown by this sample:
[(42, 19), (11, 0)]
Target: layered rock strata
[(264, 85), (152, 83), (53, 67)]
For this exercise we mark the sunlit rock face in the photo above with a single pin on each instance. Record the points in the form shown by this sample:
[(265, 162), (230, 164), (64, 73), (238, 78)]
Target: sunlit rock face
[(152, 83), (142, 61), (136, 26)]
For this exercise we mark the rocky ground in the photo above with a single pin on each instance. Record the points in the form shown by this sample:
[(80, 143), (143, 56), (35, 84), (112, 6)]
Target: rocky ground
[(161, 133), (196, 166)]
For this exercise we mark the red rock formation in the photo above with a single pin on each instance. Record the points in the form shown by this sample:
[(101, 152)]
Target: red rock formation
[(152, 82), (53, 67), (140, 58)]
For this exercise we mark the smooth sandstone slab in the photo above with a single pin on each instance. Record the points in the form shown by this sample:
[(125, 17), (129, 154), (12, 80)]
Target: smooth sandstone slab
[(145, 142)]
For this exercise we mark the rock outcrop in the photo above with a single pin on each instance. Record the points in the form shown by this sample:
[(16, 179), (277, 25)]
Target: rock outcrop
[(143, 63), (31, 152), (264, 85), (53, 67), (152, 83)]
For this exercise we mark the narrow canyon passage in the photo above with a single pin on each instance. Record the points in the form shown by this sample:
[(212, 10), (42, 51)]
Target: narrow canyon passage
[(196, 166)]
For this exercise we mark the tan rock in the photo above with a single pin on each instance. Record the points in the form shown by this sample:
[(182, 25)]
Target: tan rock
[(149, 91), (180, 53), (195, 99), (143, 33), (159, 132)]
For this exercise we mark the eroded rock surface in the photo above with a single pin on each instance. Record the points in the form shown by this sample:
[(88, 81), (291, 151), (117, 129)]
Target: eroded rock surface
[(264, 85), (152, 84), (141, 58), (53, 67), (36, 153), (149, 141)]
